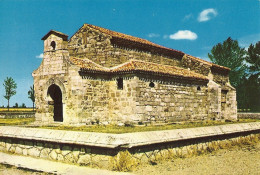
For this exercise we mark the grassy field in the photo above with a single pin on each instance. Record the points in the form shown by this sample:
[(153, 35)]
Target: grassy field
[(128, 129), (16, 121), (16, 109), (121, 129)]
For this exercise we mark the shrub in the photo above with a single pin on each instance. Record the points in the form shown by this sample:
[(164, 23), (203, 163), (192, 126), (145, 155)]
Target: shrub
[(123, 161)]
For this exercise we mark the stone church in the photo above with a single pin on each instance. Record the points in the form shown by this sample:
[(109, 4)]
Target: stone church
[(103, 76)]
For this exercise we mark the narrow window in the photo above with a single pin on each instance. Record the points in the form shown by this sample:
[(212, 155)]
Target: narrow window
[(151, 84), (119, 83), (198, 88), (53, 45)]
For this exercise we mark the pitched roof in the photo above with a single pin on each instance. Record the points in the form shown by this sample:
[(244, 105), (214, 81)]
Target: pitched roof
[(62, 35), (207, 62), (129, 37), (139, 66), (151, 44)]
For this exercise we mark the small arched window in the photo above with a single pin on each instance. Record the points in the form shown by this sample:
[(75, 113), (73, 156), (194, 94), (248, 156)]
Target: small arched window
[(198, 88), (151, 84), (53, 45)]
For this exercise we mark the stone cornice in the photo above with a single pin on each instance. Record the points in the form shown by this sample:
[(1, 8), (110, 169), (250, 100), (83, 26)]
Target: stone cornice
[(126, 140)]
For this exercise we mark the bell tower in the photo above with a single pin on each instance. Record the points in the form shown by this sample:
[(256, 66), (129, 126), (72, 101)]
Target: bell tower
[(55, 41)]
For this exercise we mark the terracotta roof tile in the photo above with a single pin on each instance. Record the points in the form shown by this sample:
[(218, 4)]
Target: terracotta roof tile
[(146, 42), (136, 65)]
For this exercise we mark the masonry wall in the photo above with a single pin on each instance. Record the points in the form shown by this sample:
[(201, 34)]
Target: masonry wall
[(97, 46), (99, 101), (172, 101), (53, 70)]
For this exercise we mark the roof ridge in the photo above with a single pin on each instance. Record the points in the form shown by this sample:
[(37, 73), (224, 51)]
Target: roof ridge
[(207, 62), (138, 65)]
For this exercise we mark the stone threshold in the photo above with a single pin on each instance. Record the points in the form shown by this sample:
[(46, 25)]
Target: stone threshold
[(125, 140)]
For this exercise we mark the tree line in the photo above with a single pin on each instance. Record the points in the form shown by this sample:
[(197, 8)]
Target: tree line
[(245, 70), (10, 90)]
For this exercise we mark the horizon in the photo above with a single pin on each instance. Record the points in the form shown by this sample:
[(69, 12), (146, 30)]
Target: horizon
[(188, 26)]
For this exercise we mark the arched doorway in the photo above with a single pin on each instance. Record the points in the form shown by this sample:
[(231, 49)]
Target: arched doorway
[(55, 99)]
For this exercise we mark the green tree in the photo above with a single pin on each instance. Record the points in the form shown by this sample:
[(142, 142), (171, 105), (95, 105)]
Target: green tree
[(229, 54), (23, 106), (31, 95), (15, 105), (251, 85), (10, 89), (253, 58)]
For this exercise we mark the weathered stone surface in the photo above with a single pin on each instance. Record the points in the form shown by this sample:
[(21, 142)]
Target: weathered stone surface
[(84, 159), (53, 155), (99, 157), (35, 152), (97, 99)]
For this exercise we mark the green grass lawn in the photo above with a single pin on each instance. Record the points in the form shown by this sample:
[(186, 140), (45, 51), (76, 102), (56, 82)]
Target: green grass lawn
[(121, 129), (128, 129), (16, 121)]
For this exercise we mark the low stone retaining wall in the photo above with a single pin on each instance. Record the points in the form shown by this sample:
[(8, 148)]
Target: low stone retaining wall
[(248, 115), (17, 114), (96, 149)]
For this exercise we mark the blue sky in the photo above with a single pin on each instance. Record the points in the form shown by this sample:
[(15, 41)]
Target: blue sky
[(192, 26)]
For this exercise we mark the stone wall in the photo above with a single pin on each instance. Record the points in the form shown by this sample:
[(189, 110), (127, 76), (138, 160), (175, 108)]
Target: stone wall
[(97, 46), (17, 114), (172, 102), (96, 149), (100, 101), (195, 65), (248, 115)]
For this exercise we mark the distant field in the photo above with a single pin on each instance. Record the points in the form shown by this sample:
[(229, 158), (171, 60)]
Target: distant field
[(16, 121), (16, 109)]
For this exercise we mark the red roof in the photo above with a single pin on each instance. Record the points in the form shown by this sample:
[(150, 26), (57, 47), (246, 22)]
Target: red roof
[(62, 35), (137, 65), (151, 44)]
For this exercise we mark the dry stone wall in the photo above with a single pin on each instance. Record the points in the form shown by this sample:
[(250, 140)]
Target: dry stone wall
[(81, 155), (96, 149)]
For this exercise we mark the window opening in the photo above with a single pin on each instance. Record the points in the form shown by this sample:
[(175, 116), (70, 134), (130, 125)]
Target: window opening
[(119, 83), (198, 88), (151, 84), (53, 45)]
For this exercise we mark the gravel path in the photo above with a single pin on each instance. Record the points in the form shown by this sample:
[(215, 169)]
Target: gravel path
[(236, 161)]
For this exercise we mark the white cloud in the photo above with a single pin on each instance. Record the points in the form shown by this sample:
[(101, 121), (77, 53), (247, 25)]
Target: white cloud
[(184, 34), (39, 56), (206, 14), (153, 35)]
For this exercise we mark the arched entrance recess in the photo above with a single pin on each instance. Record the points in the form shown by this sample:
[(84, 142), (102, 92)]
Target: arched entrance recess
[(55, 99)]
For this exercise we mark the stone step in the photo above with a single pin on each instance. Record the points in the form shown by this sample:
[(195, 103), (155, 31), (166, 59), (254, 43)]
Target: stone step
[(48, 166)]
